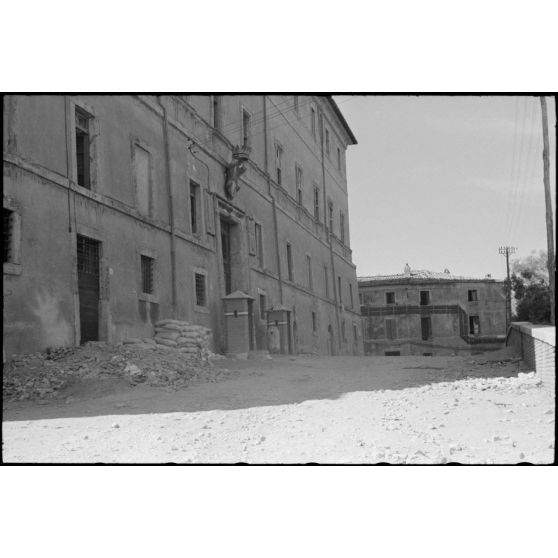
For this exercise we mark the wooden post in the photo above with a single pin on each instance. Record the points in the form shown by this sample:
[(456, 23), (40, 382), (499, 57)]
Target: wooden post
[(548, 202)]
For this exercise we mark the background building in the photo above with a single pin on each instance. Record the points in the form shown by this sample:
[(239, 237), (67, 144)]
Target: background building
[(122, 210), (430, 313)]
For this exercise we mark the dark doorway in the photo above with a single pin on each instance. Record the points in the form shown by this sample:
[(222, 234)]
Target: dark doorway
[(226, 233), (251, 325), (88, 286), (392, 353), (426, 328)]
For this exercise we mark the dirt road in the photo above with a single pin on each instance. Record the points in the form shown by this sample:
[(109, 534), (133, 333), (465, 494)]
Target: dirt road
[(300, 410)]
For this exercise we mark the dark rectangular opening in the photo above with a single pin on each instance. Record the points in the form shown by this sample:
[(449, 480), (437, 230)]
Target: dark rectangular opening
[(262, 306), (246, 132), (316, 204), (226, 232), (195, 207), (314, 324), (390, 298), (7, 248), (339, 290), (426, 328), (290, 273), (217, 112), (88, 263), (472, 295), (259, 243), (474, 325), (147, 265), (424, 298), (201, 297), (392, 353), (83, 149)]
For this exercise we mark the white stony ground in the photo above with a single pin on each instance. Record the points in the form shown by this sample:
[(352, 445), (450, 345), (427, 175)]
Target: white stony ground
[(301, 410)]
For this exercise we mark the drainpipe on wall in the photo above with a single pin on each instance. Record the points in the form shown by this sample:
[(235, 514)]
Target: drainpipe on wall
[(273, 206), (170, 206), (329, 233)]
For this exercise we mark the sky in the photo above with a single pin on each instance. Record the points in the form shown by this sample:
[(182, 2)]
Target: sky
[(443, 182)]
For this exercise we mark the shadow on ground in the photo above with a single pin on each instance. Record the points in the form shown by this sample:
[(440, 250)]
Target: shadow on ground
[(257, 383)]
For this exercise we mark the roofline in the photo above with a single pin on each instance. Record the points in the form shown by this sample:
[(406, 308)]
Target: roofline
[(416, 280), (339, 115)]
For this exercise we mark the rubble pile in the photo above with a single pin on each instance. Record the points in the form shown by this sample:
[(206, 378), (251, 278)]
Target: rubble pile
[(185, 337), (53, 373)]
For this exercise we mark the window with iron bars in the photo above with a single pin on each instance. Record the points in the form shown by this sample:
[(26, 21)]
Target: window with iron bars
[(7, 248), (201, 294), (88, 255), (147, 268)]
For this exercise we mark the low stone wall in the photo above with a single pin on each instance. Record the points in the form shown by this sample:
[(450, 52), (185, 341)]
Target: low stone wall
[(536, 345)]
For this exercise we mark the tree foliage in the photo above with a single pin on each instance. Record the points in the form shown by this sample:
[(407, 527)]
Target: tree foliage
[(529, 282)]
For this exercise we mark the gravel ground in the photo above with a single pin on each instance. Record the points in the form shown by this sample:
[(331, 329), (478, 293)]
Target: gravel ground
[(300, 410)]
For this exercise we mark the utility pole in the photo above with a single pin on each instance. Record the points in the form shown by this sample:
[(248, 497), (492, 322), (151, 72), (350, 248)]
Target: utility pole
[(506, 251), (548, 203)]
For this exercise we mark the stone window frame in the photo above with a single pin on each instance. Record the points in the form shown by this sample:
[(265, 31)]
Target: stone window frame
[(259, 244), (393, 321), (200, 218), (14, 267), (94, 144), (154, 296), (310, 271), (278, 149), (201, 271), (387, 293), (137, 142)]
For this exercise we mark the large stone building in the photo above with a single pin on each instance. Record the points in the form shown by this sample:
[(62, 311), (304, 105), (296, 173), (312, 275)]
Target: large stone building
[(122, 210), (428, 313)]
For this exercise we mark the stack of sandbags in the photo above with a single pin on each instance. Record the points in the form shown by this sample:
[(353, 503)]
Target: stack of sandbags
[(185, 337)]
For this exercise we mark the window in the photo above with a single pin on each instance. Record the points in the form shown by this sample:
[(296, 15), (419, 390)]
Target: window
[(262, 306), (313, 120), (343, 331), (327, 141), (246, 131), (424, 298), (339, 158), (355, 334), (339, 291), (351, 295), (426, 354), (390, 298), (391, 328), (201, 296), (361, 298), (147, 265), (290, 273), (330, 213), (326, 281), (309, 264), (83, 145), (142, 177), (298, 176), (392, 353), (295, 103), (342, 226), (474, 325), (7, 243), (278, 163), (259, 244), (217, 112), (314, 323), (316, 203), (426, 328), (195, 210), (472, 296)]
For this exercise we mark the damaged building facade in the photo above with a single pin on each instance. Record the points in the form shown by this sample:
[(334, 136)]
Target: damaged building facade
[(421, 312), (226, 211)]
